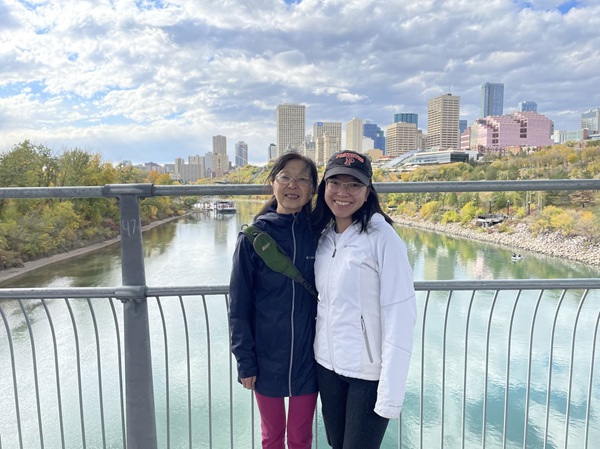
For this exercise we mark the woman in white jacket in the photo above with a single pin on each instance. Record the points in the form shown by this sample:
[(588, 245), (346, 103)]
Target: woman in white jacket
[(366, 311)]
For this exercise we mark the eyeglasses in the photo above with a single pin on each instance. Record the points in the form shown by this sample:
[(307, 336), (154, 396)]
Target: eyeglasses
[(353, 188), (284, 179)]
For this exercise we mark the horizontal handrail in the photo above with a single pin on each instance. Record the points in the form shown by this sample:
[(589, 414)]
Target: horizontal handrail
[(444, 285), (149, 190)]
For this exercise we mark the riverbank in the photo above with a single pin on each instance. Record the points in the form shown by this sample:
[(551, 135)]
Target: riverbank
[(553, 244), (35, 264)]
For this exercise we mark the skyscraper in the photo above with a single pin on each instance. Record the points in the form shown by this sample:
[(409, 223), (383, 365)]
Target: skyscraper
[(291, 127), (527, 106), (492, 99), (354, 134), (220, 160), (373, 131), (327, 137), (272, 152), (443, 122), (400, 138), (219, 145), (241, 153)]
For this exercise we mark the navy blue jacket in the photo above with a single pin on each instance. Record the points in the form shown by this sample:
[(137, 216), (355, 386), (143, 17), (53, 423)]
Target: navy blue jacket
[(272, 317)]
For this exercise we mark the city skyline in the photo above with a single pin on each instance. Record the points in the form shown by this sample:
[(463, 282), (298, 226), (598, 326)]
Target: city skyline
[(153, 81)]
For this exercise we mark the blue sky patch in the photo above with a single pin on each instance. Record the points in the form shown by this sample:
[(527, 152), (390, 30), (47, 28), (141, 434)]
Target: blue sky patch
[(567, 6), (30, 6), (150, 4), (35, 87)]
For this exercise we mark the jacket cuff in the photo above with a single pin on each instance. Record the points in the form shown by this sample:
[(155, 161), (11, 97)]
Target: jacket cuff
[(389, 412)]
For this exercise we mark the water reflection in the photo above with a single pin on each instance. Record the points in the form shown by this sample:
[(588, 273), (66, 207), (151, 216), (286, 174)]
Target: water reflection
[(440, 257)]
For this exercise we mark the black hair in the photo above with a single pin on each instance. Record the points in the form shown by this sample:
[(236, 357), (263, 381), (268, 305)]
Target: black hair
[(322, 215), (280, 163)]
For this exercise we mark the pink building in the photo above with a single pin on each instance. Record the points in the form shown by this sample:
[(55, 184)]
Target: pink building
[(498, 132)]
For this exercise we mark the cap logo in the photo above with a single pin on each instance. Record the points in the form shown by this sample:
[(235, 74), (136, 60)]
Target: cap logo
[(350, 157)]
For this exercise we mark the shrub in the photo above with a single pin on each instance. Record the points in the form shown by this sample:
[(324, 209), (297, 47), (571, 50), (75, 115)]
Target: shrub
[(450, 216)]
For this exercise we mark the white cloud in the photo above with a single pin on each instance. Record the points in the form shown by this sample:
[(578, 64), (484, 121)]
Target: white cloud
[(155, 83)]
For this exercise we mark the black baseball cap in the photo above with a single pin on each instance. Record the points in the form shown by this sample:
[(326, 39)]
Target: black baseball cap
[(350, 163)]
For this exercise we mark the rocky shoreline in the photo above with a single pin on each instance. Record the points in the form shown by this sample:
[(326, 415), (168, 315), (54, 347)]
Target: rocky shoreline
[(554, 244)]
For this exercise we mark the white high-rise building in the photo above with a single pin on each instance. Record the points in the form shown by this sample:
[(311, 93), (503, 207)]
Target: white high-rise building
[(327, 137), (291, 127), (354, 134), (443, 114)]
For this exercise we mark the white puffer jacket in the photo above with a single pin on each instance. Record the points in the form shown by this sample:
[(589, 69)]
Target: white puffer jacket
[(367, 309)]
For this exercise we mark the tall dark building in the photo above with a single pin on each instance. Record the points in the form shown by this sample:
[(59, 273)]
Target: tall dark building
[(373, 131), (492, 99)]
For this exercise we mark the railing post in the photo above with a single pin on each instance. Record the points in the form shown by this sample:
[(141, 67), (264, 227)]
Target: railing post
[(141, 420)]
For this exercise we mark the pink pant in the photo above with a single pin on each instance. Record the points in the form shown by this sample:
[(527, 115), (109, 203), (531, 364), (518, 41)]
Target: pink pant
[(301, 410)]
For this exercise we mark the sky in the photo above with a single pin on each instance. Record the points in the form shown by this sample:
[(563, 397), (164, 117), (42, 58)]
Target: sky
[(153, 80)]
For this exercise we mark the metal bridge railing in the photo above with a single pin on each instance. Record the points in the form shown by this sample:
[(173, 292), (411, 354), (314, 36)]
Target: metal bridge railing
[(528, 379), (497, 382)]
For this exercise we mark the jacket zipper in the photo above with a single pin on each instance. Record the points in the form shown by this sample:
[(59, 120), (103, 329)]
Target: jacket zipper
[(329, 305), (366, 338), (293, 307)]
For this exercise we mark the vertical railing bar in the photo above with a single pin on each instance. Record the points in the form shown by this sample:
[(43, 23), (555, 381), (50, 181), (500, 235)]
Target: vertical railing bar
[(589, 398), (571, 363), (400, 431), (189, 370), (507, 383), (464, 400), (139, 383), (529, 361), (210, 433), (252, 418), (99, 362), (487, 363), (14, 376), (550, 362), (120, 364), (35, 374), (79, 387), (57, 376), (230, 376), (315, 428), (444, 367), (167, 372), (421, 400)]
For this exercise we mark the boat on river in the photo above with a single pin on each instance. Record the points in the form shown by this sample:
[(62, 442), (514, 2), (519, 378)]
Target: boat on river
[(516, 257), (224, 207)]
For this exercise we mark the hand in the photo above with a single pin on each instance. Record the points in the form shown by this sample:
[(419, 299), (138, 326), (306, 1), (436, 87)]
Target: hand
[(249, 382)]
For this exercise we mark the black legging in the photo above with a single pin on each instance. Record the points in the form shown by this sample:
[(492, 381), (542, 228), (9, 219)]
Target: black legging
[(347, 406)]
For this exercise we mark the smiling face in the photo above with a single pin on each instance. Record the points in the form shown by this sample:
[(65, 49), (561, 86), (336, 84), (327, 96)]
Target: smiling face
[(292, 197), (342, 203)]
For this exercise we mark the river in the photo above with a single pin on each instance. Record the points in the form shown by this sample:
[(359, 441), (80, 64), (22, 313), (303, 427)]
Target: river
[(197, 250)]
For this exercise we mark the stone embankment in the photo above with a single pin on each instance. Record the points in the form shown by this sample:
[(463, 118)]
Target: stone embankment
[(554, 244)]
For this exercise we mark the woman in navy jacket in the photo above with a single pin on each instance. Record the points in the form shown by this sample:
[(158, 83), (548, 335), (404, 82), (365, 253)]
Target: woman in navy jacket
[(272, 317)]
